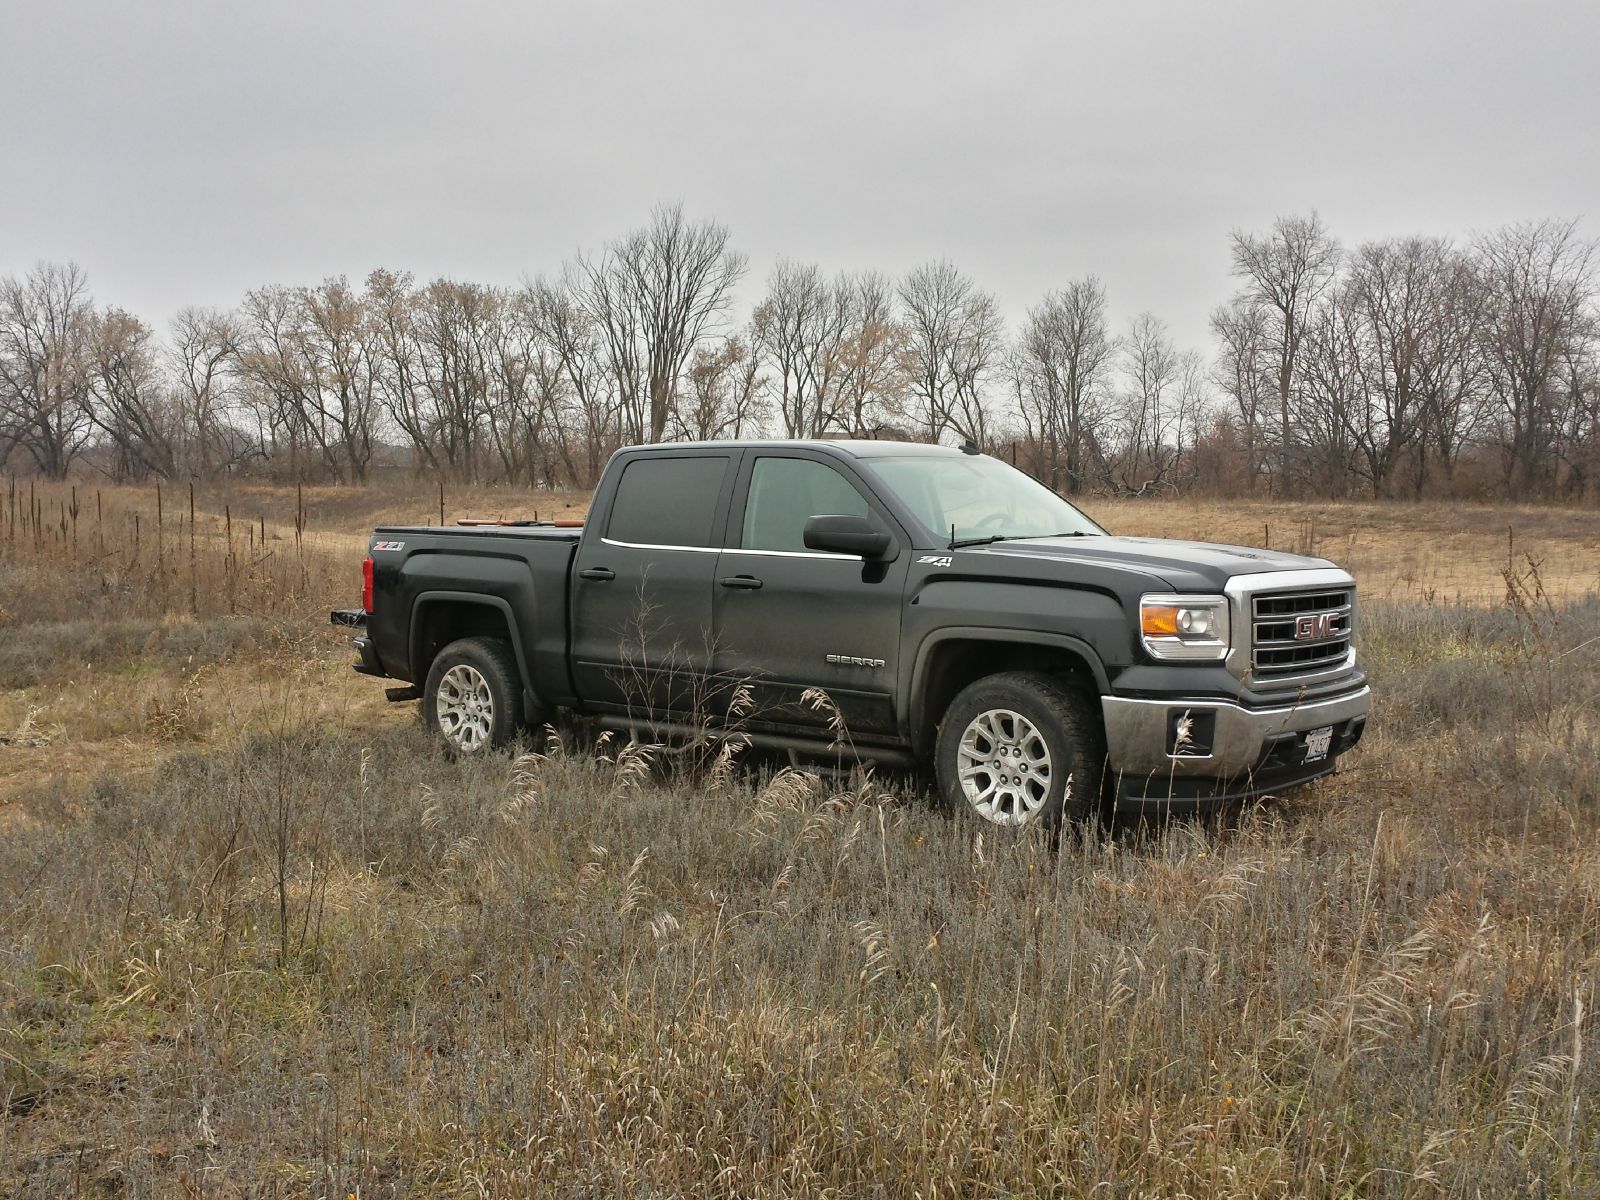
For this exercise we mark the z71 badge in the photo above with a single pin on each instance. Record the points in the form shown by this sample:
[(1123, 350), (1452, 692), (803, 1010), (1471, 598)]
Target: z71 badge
[(936, 560), (377, 546)]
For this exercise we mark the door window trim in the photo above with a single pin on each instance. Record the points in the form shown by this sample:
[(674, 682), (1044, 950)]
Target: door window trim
[(795, 554), (654, 546), (739, 501), (602, 515)]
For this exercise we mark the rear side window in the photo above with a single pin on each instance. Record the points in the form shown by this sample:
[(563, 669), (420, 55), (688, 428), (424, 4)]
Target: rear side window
[(667, 501), (785, 493)]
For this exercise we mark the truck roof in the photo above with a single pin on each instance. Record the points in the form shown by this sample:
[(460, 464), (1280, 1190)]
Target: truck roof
[(849, 447)]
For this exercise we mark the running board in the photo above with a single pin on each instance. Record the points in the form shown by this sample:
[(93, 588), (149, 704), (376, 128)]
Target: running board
[(396, 695), (655, 731)]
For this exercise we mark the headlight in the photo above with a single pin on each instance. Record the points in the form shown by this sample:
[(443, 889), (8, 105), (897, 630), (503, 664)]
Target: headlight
[(1184, 627)]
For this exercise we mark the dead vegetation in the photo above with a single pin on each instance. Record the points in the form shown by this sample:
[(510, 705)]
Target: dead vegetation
[(258, 937), (1432, 552)]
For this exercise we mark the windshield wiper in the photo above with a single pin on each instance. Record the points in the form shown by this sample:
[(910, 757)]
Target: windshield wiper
[(963, 543), (1012, 537)]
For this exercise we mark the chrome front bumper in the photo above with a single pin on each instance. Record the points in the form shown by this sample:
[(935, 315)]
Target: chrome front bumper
[(1229, 740)]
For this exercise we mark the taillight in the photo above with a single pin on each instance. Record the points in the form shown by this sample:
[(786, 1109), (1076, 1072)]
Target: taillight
[(366, 584)]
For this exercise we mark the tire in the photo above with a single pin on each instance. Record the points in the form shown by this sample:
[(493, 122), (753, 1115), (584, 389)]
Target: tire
[(1051, 752), (473, 696)]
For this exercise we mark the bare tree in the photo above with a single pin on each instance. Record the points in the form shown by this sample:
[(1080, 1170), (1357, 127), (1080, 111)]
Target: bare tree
[(44, 369), (202, 362), (1393, 293), (1537, 285), (1580, 437), (874, 358), (1408, 365), (955, 342), (128, 400), (838, 357), (1450, 372), (723, 395), (1244, 373), (306, 355), (528, 394), (335, 341), (397, 363), (1154, 414), (1067, 353), (1286, 271), (591, 423), (453, 322), (482, 381), (655, 294), (1331, 402), (799, 330), (277, 378)]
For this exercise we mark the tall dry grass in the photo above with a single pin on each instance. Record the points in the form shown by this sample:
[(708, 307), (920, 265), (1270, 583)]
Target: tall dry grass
[(133, 620), (124, 552), (314, 956), (1430, 551)]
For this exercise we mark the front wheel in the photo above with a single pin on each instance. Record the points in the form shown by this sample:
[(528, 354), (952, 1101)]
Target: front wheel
[(473, 697), (1021, 748)]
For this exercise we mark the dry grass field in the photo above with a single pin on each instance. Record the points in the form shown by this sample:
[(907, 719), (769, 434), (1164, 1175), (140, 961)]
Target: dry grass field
[(258, 937)]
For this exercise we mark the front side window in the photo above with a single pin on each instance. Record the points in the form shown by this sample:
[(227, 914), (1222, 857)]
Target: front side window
[(785, 493), (667, 501)]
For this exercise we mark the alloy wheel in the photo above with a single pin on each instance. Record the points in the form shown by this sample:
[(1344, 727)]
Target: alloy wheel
[(1004, 766), (465, 707)]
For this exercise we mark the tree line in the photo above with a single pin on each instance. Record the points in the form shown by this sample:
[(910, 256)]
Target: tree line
[(1402, 367)]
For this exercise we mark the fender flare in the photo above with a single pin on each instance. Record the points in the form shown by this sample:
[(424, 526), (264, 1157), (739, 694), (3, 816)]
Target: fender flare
[(981, 633), (503, 607)]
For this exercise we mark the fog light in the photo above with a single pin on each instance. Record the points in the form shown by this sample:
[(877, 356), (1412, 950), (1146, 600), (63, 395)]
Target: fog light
[(1191, 734)]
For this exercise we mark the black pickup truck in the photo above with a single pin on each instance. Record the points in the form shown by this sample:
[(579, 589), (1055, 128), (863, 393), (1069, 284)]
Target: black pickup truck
[(910, 603)]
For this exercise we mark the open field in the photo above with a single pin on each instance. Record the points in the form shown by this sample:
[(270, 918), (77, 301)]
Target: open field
[(1436, 553), (258, 937)]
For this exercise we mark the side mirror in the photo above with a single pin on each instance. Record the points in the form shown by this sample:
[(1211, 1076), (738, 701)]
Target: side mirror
[(847, 535)]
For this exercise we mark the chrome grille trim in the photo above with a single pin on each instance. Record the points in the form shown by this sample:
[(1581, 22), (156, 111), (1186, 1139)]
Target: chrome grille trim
[(1291, 603), (1277, 656), (1269, 604)]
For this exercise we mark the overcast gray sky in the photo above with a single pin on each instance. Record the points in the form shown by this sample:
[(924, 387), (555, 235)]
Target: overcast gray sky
[(185, 152)]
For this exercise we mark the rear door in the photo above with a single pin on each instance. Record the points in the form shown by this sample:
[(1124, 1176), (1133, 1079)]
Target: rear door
[(790, 619), (642, 584)]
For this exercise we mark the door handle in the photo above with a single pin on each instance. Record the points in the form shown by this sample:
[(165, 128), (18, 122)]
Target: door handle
[(747, 582), (599, 574)]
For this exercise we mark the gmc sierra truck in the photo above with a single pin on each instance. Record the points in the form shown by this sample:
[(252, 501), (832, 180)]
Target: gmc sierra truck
[(917, 604)]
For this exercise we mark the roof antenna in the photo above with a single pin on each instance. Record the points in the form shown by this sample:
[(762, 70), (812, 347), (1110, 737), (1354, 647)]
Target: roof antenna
[(970, 447)]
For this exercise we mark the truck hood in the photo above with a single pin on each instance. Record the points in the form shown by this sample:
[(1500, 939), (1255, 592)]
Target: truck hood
[(1183, 566)]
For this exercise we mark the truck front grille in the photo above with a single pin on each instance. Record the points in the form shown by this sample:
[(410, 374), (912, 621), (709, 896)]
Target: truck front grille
[(1299, 634)]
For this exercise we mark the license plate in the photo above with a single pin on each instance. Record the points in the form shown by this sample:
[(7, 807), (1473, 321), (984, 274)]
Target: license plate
[(1318, 743)]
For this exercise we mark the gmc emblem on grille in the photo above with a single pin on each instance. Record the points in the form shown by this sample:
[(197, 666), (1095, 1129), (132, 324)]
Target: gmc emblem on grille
[(1313, 625)]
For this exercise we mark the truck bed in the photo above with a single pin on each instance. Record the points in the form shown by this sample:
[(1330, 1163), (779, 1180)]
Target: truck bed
[(420, 572)]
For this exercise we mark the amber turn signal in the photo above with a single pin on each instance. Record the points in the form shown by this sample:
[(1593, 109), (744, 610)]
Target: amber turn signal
[(1159, 620)]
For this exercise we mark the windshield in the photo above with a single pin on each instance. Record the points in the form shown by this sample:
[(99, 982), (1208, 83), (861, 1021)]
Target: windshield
[(982, 498)]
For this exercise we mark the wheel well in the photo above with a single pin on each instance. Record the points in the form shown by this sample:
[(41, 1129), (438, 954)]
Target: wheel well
[(440, 622), (956, 663)]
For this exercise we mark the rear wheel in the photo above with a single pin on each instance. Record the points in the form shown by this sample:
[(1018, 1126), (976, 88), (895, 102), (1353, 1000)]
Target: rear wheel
[(1021, 748), (473, 696)]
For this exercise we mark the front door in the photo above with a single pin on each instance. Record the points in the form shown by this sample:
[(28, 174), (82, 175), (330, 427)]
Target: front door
[(642, 589), (791, 620)]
